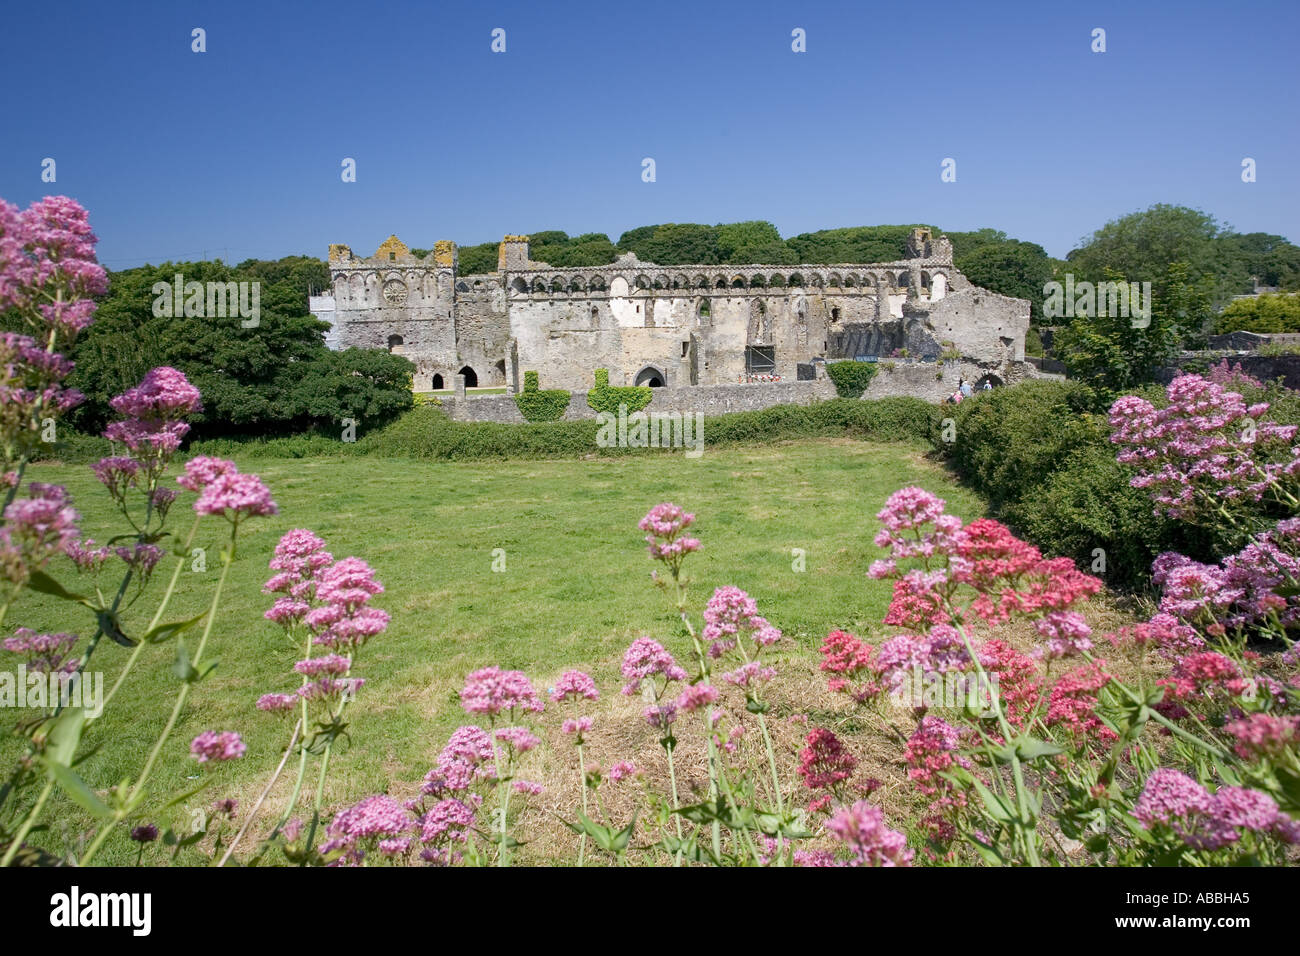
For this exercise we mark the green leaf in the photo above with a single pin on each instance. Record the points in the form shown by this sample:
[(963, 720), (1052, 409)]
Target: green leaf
[(621, 838), (42, 582), (1031, 748), (61, 745), (165, 632), (995, 805), (76, 788)]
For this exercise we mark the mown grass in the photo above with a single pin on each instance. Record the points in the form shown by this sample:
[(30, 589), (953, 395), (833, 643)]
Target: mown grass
[(575, 592)]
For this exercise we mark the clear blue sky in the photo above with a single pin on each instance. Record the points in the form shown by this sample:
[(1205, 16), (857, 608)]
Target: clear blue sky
[(236, 152)]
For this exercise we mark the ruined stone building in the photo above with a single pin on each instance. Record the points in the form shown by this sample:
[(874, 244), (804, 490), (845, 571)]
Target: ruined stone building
[(665, 325)]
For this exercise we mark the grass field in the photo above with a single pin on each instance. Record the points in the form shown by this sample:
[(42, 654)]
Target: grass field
[(575, 591)]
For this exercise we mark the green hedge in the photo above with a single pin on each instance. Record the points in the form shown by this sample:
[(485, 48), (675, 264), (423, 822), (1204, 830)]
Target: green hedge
[(607, 398), (539, 406), (851, 378)]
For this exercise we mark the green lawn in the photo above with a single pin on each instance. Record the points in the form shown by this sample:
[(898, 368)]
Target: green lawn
[(575, 591)]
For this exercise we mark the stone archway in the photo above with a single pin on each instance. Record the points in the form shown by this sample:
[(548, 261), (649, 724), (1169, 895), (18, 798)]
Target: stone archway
[(652, 377), (471, 377), (436, 384)]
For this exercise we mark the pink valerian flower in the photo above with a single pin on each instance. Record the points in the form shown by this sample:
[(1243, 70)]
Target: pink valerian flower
[(331, 665), (47, 246), (861, 828), (750, 675), (225, 807), (446, 820), (36, 529), (277, 703), (730, 615), (1017, 677), (86, 556), (141, 559), (299, 556), (578, 726), (645, 659), (286, 611), (153, 413), (1067, 634), (45, 653), (118, 474), (661, 716), (914, 526), (349, 583), (932, 749), (574, 685), (696, 697), (825, 763), (1204, 821), (235, 497), (345, 587), (203, 470), (1206, 674), (851, 662), (528, 787), (1072, 703), (1205, 448), (622, 769), (211, 745), (918, 600), (1268, 736), (493, 691), (331, 690), (469, 756), (665, 524), (519, 739), (362, 826)]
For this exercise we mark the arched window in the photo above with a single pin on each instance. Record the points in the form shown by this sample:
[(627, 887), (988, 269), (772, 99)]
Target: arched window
[(471, 377), (436, 384), (650, 376)]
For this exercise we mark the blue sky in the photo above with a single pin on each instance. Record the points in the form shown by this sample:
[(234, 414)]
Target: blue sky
[(236, 152)]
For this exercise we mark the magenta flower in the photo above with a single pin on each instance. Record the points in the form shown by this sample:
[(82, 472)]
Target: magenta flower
[(577, 725), (519, 739), (45, 653), (861, 828), (696, 696), (493, 691), (235, 497), (277, 703), (211, 745), (646, 659), (574, 685)]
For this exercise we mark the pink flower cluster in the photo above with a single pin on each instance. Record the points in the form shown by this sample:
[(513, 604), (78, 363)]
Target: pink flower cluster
[(1205, 447), (211, 745), (299, 556), (731, 615), (574, 685), (153, 417), (861, 828), (342, 617), (224, 491), (1207, 821), (646, 659), (492, 691), (377, 822), (825, 763), (46, 248), (665, 524), (45, 653), (36, 528)]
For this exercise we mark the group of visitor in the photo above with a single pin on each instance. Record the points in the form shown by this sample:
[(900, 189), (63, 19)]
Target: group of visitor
[(966, 390)]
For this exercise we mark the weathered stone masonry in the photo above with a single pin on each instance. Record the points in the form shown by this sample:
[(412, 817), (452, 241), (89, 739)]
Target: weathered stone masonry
[(673, 326)]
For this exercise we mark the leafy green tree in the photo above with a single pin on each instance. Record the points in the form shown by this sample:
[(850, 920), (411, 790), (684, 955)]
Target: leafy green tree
[(1113, 353), (673, 244), (1265, 313)]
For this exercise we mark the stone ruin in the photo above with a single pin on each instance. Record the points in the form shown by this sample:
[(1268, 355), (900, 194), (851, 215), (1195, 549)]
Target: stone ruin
[(671, 326)]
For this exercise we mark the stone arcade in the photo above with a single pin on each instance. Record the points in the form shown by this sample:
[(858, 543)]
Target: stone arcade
[(667, 325)]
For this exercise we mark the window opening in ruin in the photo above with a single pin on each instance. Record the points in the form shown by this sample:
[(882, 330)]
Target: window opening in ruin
[(471, 377), (760, 359)]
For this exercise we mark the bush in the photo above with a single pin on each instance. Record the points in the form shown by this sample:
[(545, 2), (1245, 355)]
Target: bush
[(539, 406), (851, 378), (607, 398)]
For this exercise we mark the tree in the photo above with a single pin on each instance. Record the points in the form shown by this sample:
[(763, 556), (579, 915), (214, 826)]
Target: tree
[(1114, 353)]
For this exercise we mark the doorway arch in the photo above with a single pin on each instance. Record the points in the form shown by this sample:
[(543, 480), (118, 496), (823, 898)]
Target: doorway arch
[(652, 377), (471, 377)]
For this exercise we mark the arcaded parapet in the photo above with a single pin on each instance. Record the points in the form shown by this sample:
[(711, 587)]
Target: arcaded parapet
[(664, 325)]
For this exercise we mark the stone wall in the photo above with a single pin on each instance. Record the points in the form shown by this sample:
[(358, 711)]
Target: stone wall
[(935, 381), (705, 399)]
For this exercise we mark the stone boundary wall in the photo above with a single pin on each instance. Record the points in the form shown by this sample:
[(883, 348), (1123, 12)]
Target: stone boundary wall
[(1263, 367), (705, 399)]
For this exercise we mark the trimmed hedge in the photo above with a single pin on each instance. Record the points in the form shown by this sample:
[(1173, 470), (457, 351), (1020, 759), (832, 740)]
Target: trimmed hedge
[(851, 378), (539, 406), (607, 398)]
